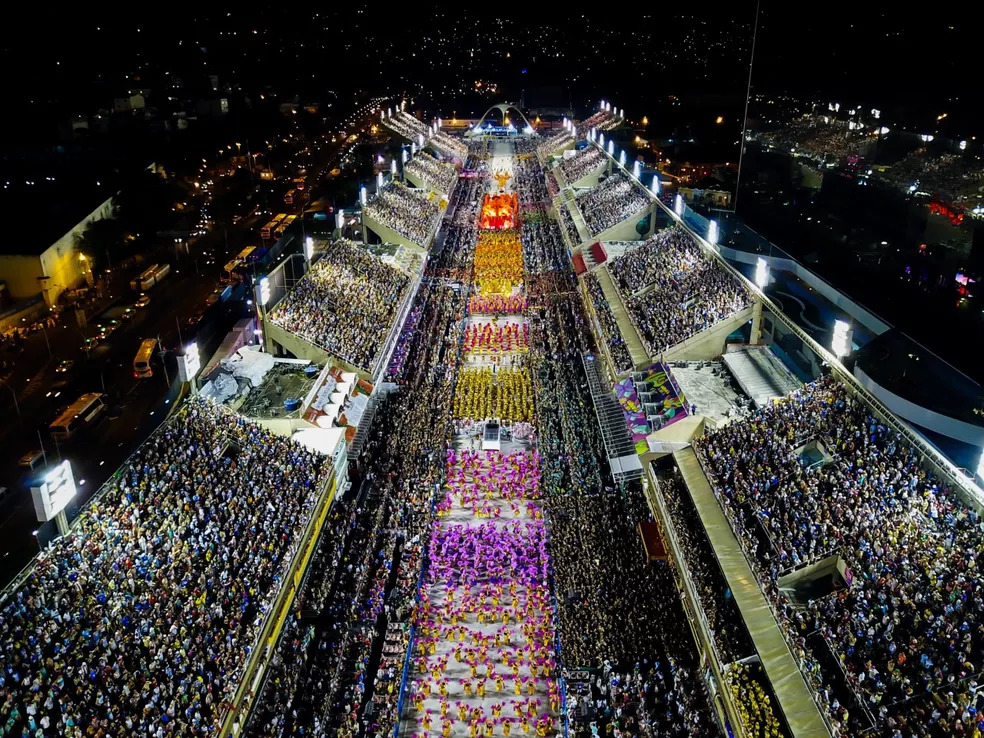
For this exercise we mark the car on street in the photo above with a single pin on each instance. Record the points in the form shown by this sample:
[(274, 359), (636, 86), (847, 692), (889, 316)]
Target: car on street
[(31, 459), (143, 302), (90, 343), (195, 319), (127, 313), (105, 330), (64, 366)]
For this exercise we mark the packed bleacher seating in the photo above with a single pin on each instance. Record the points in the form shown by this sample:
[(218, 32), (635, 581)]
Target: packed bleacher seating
[(437, 175), (609, 327), (567, 223), (554, 143), (552, 187), (406, 125), (603, 120), (904, 535), (409, 212), (688, 291), (610, 202), (619, 612), (451, 146), (346, 304), (529, 183), (479, 153), (723, 617), (748, 686), (666, 251), (359, 606), (466, 202), (588, 160), (139, 622), (572, 450)]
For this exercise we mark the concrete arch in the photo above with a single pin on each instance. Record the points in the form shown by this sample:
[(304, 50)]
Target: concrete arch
[(503, 108)]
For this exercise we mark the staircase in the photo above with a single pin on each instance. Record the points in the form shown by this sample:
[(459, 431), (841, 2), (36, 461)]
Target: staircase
[(640, 357), (621, 450)]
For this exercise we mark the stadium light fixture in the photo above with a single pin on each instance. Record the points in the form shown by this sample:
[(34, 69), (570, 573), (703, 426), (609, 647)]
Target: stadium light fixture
[(602, 106), (963, 145), (413, 148), (53, 494), (621, 158), (404, 155), (761, 273), (678, 205), (379, 181), (440, 123), (339, 219), (655, 186), (611, 147), (712, 232), (189, 363), (393, 167), (362, 194), (840, 344), (309, 247), (264, 291), (420, 140), (382, 115), (601, 140), (391, 112), (636, 169)]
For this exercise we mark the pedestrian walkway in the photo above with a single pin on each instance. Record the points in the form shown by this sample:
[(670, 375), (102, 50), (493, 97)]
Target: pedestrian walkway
[(629, 333), (798, 705)]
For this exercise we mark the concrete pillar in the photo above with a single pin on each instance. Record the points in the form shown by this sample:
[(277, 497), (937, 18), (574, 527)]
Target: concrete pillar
[(756, 336)]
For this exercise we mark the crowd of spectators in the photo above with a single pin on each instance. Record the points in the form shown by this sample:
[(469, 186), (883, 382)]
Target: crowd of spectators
[(466, 203), (749, 688), (731, 639), (439, 176), (610, 332), (408, 211), (674, 290), (588, 160), (619, 612), (603, 120), (554, 143), (345, 304), (610, 202), (529, 183), (552, 187), (907, 627), (572, 450), (364, 606), (567, 223), (406, 125), (140, 621), (453, 147)]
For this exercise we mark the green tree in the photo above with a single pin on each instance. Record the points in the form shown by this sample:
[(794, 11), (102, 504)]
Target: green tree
[(103, 242)]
